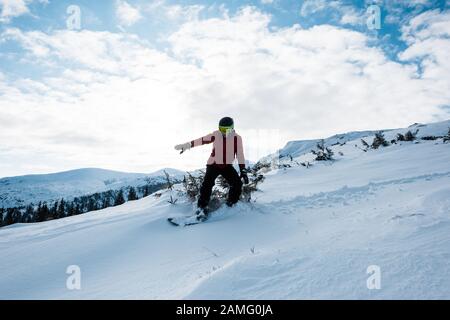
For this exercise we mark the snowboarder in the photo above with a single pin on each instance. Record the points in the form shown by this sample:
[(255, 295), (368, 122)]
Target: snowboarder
[(227, 145)]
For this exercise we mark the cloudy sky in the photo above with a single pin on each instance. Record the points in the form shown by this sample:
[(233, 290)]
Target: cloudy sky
[(115, 84)]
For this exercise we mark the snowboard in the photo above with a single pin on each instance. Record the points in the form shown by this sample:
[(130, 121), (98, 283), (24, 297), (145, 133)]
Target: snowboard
[(184, 221)]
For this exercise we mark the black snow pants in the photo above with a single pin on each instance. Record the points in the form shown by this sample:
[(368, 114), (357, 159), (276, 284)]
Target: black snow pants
[(231, 176)]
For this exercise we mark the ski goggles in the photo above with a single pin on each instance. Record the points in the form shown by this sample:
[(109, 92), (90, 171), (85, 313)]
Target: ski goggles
[(224, 130)]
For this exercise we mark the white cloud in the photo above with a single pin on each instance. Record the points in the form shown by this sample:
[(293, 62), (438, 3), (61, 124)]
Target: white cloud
[(428, 36), (123, 105), (429, 24), (312, 6), (324, 75), (350, 16), (417, 2), (119, 93), (126, 13), (174, 12), (267, 1), (12, 8), (346, 14), (400, 12), (186, 13)]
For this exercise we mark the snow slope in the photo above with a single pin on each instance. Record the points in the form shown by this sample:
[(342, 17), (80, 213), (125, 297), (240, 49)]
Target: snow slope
[(312, 233), (21, 190)]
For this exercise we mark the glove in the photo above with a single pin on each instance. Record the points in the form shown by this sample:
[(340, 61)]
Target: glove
[(244, 176), (183, 147)]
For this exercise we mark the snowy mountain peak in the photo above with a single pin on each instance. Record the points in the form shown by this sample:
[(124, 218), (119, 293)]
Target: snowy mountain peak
[(300, 147), (21, 190)]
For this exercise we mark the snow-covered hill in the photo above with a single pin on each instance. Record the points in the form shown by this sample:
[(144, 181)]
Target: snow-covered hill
[(301, 147), (17, 191), (312, 233)]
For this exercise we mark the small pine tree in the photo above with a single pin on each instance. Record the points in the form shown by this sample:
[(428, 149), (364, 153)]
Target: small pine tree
[(410, 136), (192, 185), (132, 194), (379, 140), (92, 205), (70, 209), (365, 144), (44, 213), (106, 202), (447, 137), (322, 153), (254, 179), (222, 182), (53, 211), (119, 199), (222, 191), (40, 217), (61, 209), (8, 219), (29, 213), (400, 137), (168, 180), (146, 192)]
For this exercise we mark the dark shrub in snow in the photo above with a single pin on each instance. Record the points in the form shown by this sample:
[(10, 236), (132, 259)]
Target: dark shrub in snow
[(379, 140), (323, 153)]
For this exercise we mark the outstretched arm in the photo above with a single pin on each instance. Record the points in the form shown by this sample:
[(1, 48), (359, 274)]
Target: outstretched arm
[(209, 138)]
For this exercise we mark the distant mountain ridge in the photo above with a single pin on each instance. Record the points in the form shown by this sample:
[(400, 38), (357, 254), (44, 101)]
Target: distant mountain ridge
[(22, 190), (297, 148)]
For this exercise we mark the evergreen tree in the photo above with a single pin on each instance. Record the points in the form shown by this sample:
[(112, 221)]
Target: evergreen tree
[(92, 206), (54, 211), (69, 209), (61, 211), (408, 136), (168, 180), (29, 213), (447, 137), (8, 218), (365, 144), (400, 137), (323, 153), (106, 202), (77, 210), (119, 198), (146, 191), (39, 216), (379, 140), (17, 214), (45, 212), (132, 194)]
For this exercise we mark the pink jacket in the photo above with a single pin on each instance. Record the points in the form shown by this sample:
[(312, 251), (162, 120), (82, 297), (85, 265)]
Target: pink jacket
[(225, 149)]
